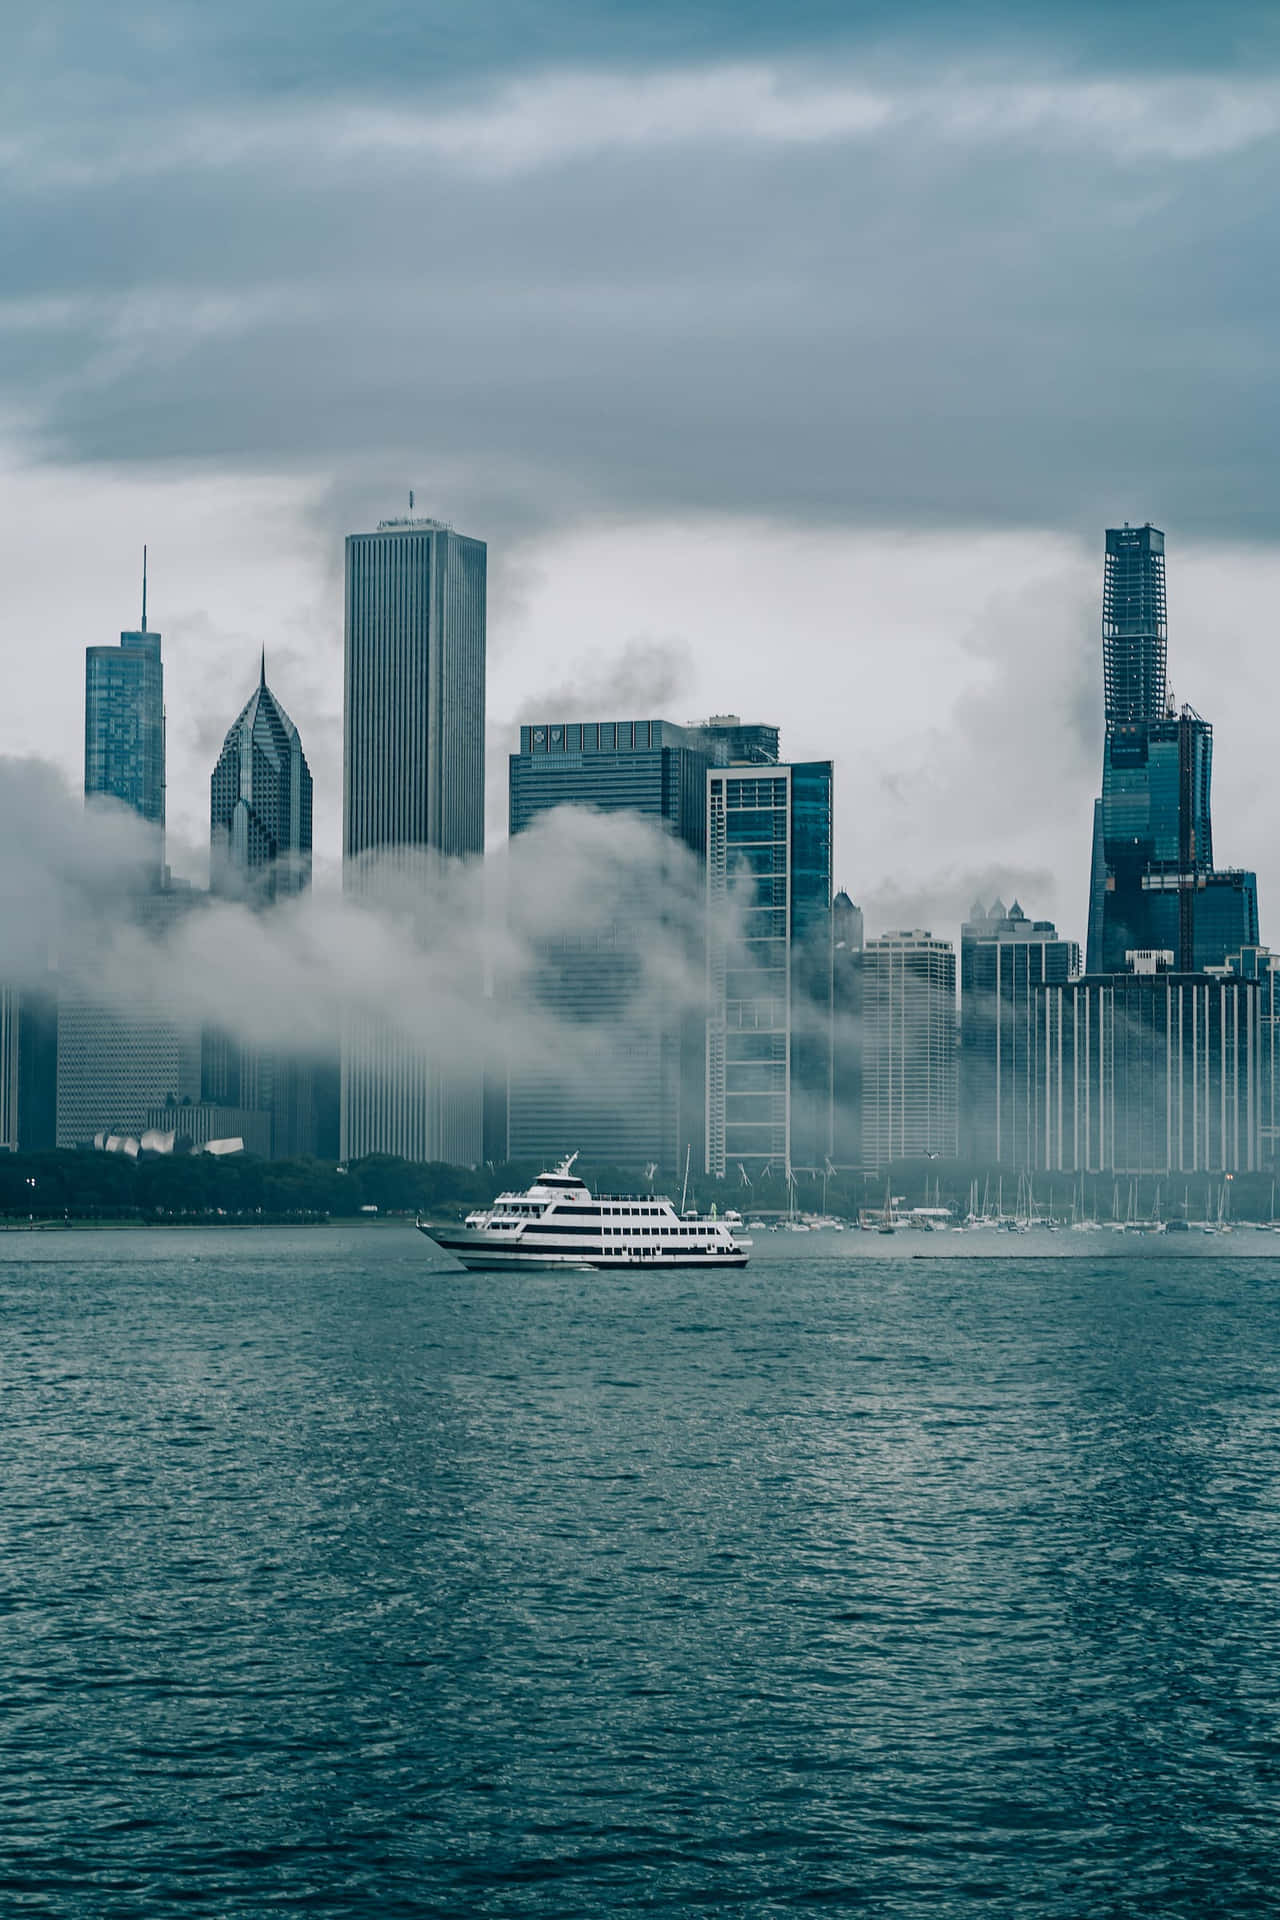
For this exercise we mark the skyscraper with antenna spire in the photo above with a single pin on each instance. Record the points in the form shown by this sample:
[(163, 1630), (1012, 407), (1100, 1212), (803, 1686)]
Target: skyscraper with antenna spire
[(1154, 886), (124, 725)]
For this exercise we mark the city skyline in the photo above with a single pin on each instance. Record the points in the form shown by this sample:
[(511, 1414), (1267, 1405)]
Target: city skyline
[(886, 912)]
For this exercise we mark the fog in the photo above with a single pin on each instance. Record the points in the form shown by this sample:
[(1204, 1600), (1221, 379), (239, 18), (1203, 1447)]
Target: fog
[(448, 952)]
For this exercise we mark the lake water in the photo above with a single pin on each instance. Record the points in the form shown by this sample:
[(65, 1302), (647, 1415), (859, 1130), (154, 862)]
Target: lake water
[(337, 1583)]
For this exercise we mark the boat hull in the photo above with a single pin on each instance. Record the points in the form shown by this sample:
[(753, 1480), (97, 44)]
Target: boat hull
[(479, 1254)]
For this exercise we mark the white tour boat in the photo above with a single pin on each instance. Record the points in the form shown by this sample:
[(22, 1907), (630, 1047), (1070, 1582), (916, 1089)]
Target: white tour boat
[(558, 1222)]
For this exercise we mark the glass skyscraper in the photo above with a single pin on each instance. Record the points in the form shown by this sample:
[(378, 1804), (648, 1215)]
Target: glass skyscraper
[(124, 726), (413, 783), (260, 804), (1154, 886), (769, 967)]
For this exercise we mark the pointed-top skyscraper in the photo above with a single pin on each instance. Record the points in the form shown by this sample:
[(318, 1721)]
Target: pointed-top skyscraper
[(260, 803)]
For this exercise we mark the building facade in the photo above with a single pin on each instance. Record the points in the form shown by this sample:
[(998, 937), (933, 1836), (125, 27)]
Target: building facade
[(260, 799), (908, 1049), (113, 1069), (1154, 886), (1004, 957), (1150, 1071), (413, 783), (124, 746), (769, 967), (9, 1070), (260, 834), (111, 1064), (626, 1080), (848, 941)]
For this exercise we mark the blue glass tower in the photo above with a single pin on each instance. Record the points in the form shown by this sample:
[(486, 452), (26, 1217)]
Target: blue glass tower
[(260, 803), (124, 724), (1154, 885)]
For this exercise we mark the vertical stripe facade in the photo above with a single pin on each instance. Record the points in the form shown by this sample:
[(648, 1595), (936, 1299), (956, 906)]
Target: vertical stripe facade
[(413, 779), (1149, 1074)]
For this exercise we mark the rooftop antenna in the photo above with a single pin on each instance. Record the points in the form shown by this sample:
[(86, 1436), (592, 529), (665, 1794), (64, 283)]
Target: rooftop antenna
[(262, 678), (144, 589), (411, 499)]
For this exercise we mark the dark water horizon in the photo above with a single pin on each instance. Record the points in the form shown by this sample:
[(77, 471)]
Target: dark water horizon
[(338, 1581)]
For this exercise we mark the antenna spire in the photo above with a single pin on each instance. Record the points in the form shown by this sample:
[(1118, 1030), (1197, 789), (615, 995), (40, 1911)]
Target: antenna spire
[(411, 499), (262, 680), (144, 589)]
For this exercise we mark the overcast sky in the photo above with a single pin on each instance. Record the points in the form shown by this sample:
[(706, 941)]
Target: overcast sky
[(791, 361)]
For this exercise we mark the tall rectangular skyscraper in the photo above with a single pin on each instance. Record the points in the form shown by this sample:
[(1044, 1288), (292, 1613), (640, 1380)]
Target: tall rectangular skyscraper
[(413, 781), (769, 967), (124, 726), (413, 726), (908, 1049), (1134, 631)]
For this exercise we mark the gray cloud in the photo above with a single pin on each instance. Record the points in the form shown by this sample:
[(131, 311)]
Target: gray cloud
[(646, 677), (752, 289), (447, 954)]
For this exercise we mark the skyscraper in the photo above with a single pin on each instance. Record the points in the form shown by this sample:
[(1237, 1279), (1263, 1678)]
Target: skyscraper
[(260, 798), (908, 1049), (124, 726), (632, 1092), (1134, 631), (28, 1068), (1154, 886), (413, 781), (1149, 1071), (260, 804), (413, 722), (113, 1063), (846, 1049), (769, 967), (1004, 956)]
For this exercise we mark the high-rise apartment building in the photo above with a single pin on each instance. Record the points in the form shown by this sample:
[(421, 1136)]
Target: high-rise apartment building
[(908, 1049), (1148, 1071), (769, 967), (626, 1080), (413, 783), (1004, 957), (260, 804), (124, 727), (1154, 886)]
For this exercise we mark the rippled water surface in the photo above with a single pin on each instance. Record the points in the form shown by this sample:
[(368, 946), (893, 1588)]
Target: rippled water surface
[(336, 1584)]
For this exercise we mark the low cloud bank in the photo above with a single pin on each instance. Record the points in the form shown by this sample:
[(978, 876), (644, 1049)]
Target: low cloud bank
[(453, 955)]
